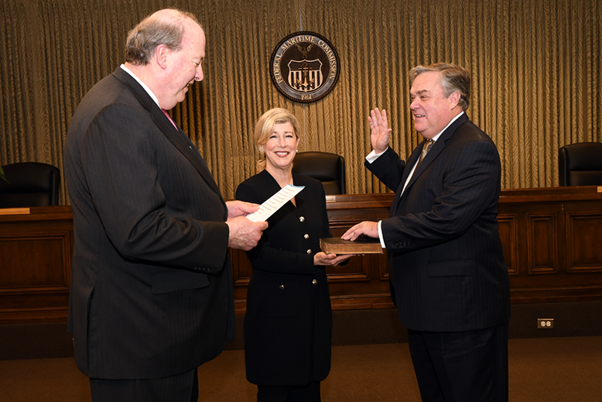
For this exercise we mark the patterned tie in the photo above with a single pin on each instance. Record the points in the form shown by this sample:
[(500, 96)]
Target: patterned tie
[(425, 150)]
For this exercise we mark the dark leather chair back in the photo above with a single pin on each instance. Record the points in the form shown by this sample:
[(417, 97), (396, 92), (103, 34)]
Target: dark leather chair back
[(31, 184), (326, 167), (581, 164)]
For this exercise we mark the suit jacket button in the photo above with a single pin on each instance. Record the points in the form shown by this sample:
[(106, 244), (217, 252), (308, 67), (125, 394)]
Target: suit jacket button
[(281, 287), (301, 219), (309, 251), (314, 282), (306, 236)]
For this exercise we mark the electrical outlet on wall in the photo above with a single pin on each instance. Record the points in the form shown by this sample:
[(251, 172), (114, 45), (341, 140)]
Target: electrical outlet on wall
[(545, 323)]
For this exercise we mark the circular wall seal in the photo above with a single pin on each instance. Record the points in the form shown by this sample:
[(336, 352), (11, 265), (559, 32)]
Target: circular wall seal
[(304, 67)]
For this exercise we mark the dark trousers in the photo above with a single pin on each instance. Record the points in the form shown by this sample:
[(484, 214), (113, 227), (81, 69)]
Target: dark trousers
[(178, 388), (461, 366), (309, 393)]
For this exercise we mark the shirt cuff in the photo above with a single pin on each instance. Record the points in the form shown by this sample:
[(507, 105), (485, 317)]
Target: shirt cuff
[(372, 156), (380, 234)]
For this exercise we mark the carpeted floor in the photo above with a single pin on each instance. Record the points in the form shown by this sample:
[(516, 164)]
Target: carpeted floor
[(541, 369)]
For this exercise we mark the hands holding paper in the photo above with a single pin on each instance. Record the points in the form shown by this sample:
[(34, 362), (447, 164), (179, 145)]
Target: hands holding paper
[(244, 234), (275, 202), (240, 208)]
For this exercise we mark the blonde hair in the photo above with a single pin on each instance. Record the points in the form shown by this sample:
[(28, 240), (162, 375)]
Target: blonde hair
[(265, 127)]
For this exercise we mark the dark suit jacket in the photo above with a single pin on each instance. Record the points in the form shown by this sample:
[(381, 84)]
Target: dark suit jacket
[(288, 324), (447, 265), (151, 282)]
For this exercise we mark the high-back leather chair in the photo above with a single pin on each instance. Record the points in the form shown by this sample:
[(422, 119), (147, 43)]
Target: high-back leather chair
[(580, 164), (31, 184), (326, 167)]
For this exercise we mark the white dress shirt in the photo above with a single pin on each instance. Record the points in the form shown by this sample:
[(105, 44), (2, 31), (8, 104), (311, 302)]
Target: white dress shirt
[(374, 156)]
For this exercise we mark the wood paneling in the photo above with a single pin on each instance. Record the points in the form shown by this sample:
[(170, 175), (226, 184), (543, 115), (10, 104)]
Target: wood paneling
[(557, 245), (551, 239), (541, 238), (583, 235), (508, 228), (35, 267)]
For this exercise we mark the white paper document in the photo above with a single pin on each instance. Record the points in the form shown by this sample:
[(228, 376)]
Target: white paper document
[(274, 203)]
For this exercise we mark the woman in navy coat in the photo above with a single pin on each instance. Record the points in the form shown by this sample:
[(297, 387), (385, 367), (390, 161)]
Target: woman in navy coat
[(288, 324)]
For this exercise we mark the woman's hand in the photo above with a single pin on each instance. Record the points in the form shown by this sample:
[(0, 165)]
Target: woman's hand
[(322, 258)]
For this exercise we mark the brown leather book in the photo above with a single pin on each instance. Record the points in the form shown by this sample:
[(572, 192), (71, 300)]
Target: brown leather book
[(362, 245)]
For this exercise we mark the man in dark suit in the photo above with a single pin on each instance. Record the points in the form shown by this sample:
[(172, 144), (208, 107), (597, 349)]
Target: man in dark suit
[(449, 279), (151, 289)]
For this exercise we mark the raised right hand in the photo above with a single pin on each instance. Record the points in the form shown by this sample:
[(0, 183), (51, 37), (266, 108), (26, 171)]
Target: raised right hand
[(380, 133)]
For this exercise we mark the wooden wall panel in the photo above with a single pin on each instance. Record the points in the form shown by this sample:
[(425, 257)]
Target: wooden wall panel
[(551, 241), (508, 228), (35, 268), (550, 238), (583, 240), (542, 244)]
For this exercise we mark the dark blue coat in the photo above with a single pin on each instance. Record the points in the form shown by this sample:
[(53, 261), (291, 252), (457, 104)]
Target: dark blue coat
[(446, 262), (151, 287), (288, 324)]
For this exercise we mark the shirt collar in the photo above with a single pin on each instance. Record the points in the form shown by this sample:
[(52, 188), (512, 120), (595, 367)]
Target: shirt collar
[(142, 84)]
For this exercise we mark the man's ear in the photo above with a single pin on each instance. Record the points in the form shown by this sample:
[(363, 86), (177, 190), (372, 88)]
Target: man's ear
[(161, 53), (454, 99)]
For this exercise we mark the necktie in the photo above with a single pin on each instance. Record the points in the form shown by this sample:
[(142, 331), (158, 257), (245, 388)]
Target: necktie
[(172, 122), (425, 150)]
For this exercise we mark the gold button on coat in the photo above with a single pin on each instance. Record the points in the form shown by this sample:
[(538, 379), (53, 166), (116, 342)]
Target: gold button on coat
[(306, 236), (281, 287), (301, 219), (314, 282), (309, 251)]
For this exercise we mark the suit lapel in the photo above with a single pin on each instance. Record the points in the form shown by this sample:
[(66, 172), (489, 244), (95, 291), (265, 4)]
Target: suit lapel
[(176, 136), (406, 172), (181, 141), (430, 157)]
